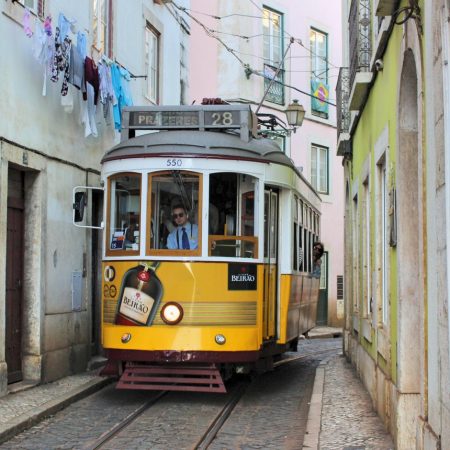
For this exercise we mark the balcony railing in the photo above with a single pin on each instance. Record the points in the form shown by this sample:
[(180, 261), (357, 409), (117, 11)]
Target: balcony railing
[(276, 91), (360, 42), (342, 101)]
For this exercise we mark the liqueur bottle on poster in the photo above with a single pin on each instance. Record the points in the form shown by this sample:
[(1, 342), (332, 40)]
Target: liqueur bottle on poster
[(140, 295)]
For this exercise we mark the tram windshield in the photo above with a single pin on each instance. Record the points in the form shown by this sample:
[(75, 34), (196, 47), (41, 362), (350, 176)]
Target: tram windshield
[(174, 205)]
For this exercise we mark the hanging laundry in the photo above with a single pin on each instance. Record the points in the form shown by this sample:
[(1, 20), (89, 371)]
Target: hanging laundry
[(26, 23), (107, 96), (81, 44), (48, 25), (91, 77), (90, 94), (43, 50), (76, 69), (67, 100), (61, 60), (120, 79), (64, 25)]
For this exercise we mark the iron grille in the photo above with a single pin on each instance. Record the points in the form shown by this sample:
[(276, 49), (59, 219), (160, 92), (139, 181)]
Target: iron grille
[(359, 32), (340, 287), (342, 99), (276, 91)]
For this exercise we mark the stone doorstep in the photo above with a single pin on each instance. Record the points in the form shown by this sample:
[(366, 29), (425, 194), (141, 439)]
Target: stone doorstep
[(23, 385)]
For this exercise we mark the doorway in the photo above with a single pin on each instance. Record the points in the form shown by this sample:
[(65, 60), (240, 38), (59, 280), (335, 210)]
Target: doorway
[(14, 275)]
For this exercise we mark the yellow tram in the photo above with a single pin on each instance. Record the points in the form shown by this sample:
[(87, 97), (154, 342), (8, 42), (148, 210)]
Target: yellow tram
[(207, 249)]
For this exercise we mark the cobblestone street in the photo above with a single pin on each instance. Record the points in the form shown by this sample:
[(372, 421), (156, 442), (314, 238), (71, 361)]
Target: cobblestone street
[(273, 413)]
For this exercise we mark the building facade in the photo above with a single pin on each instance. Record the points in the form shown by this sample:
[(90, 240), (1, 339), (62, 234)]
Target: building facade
[(278, 51), (392, 134), (50, 142)]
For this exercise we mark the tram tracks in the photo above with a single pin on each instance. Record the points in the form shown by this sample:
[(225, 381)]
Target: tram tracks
[(201, 443), (118, 427), (213, 426)]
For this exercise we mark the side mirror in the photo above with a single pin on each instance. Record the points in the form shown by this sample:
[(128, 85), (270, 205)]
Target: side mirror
[(78, 206)]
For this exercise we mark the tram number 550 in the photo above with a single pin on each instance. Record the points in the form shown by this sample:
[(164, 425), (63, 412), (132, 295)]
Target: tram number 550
[(174, 162), (225, 118)]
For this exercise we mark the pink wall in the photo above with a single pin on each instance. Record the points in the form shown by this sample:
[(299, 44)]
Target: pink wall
[(214, 72)]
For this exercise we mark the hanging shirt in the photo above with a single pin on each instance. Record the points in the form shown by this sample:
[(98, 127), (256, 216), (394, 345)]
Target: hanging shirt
[(81, 45), (120, 81), (175, 238), (76, 70), (64, 25), (91, 77), (107, 96), (61, 60)]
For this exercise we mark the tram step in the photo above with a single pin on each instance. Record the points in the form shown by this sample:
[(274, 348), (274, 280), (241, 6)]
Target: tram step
[(154, 377)]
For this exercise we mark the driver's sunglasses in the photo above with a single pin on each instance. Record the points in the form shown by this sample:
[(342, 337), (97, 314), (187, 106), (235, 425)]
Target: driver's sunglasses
[(175, 216)]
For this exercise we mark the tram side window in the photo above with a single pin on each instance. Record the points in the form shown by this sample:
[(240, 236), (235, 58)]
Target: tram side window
[(232, 222), (125, 212), (174, 211)]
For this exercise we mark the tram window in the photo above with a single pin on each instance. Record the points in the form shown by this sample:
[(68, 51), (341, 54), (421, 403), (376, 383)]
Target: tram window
[(301, 252), (173, 211), (232, 226), (295, 261), (124, 212)]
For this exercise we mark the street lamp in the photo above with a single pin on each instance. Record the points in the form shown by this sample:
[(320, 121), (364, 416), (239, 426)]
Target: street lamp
[(295, 114)]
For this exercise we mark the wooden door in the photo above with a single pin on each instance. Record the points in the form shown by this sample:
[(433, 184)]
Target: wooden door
[(14, 275)]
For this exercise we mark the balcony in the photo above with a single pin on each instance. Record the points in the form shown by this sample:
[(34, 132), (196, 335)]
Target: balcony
[(360, 53), (276, 91), (343, 113)]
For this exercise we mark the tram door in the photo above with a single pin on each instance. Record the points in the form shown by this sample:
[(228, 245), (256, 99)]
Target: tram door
[(270, 262)]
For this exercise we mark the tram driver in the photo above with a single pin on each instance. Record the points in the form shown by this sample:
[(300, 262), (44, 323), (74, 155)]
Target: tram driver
[(185, 235)]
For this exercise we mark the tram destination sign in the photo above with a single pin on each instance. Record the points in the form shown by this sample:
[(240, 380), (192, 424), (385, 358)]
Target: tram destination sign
[(199, 119)]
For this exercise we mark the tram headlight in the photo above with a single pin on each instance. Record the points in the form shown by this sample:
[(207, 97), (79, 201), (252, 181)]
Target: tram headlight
[(171, 313), (220, 339)]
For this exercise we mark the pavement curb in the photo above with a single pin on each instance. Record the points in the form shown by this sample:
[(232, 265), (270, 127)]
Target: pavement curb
[(38, 413), (313, 424)]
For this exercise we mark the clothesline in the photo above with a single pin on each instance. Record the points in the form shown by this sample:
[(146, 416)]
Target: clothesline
[(102, 79), (131, 75)]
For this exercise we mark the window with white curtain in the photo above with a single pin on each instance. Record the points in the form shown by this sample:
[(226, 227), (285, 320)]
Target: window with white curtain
[(273, 53), (152, 63), (318, 42), (319, 168), (100, 25)]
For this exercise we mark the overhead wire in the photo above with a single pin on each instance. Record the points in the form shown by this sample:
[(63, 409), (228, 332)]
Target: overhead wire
[(211, 33)]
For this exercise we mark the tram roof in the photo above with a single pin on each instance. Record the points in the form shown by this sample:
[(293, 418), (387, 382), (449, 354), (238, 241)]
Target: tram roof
[(202, 144), (199, 144)]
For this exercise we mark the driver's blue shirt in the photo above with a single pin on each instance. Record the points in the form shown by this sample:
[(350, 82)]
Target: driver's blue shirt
[(174, 240)]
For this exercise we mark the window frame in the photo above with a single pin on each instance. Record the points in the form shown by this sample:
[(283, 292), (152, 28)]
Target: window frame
[(269, 60), (173, 252), (315, 149), (315, 56), (314, 66), (108, 250), (105, 22), (153, 74), (37, 8)]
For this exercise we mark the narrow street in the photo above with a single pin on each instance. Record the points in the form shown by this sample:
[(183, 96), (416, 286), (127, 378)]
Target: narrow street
[(272, 413)]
